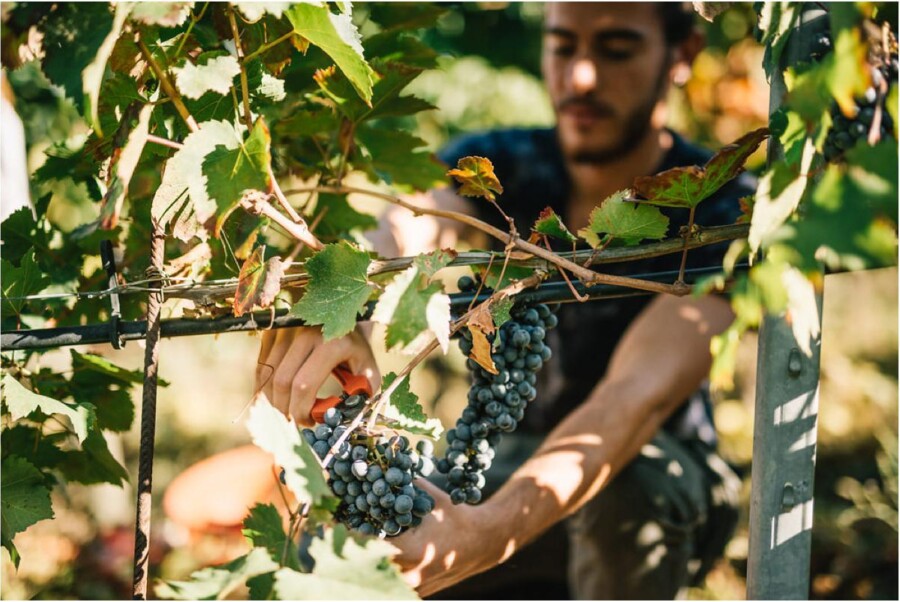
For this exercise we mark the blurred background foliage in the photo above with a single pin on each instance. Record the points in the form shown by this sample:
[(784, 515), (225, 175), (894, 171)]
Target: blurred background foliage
[(488, 76)]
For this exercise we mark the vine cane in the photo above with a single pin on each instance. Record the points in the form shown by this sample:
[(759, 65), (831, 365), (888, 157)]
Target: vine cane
[(148, 420)]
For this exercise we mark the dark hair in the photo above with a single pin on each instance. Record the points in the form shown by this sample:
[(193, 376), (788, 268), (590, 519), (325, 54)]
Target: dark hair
[(678, 20)]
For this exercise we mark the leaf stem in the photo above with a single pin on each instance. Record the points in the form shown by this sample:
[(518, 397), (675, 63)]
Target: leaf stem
[(267, 46), (194, 20), (581, 298), (245, 91), (167, 86), (687, 235)]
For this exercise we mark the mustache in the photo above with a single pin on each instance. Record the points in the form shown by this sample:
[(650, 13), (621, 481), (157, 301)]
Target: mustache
[(580, 102)]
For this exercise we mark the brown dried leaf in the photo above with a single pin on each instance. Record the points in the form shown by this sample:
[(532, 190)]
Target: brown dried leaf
[(481, 324)]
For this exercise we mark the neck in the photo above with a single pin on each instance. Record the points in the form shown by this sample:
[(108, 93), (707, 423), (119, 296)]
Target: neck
[(592, 183)]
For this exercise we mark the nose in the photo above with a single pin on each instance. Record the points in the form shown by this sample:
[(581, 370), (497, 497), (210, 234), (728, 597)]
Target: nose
[(584, 76)]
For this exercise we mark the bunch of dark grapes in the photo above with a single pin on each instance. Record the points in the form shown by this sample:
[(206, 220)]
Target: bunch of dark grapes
[(496, 401), (373, 477), (846, 131)]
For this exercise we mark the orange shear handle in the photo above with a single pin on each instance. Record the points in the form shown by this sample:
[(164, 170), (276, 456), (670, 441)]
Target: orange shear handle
[(352, 384)]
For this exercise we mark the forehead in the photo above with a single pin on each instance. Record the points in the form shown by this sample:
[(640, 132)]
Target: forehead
[(586, 18)]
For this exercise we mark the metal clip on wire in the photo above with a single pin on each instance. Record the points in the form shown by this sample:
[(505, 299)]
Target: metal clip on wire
[(115, 314)]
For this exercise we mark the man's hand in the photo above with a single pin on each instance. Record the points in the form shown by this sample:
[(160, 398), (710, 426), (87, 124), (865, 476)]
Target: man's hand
[(450, 545), (295, 362)]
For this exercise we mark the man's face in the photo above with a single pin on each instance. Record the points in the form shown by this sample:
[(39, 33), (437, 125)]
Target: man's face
[(606, 67)]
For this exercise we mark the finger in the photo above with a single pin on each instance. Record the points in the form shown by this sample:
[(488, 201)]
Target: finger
[(263, 371), (312, 375), (267, 364), (362, 361), (302, 346)]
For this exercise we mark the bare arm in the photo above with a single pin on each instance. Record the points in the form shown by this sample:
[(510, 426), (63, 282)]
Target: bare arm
[(661, 359)]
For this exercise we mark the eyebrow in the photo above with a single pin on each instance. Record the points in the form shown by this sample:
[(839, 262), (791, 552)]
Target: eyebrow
[(619, 33)]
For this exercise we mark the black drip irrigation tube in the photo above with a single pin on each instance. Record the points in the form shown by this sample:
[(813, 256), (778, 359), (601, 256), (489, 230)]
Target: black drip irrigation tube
[(121, 330)]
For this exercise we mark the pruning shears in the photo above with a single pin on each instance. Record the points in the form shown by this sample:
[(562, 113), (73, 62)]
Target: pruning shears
[(356, 390)]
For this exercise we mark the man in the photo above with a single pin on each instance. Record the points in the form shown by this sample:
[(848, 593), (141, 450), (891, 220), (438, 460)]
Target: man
[(625, 462)]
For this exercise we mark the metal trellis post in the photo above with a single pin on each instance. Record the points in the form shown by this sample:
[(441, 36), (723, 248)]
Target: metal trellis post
[(786, 415), (148, 423)]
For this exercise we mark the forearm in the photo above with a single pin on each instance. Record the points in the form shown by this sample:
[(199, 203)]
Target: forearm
[(660, 361), (576, 461)]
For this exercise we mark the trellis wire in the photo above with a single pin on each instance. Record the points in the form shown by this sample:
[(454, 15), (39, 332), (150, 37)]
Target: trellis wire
[(549, 292), (188, 288)]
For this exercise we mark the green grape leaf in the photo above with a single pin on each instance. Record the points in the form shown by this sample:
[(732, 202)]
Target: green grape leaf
[(92, 75), (406, 402), (303, 474), (337, 291), (492, 275), (397, 158), (22, 281), (71, 42), (258, 283), (386, 101), (93, 463), (400, 48), (477, 178), (430, 264), (838, 229), (618, 219), (335, 216), (261, 587), (123, 167), (114, 407), (550, 224), (778, 195), (214, 72), (215, 583), (212, 107), (22, 402), (231, 171), (25, 501), (776, 21), (21, 233), (500, 311), (44, 454), (347, 568), (688, 186), (181, 198), (338, 37), (166, 14), (412, 308), (97, 363), (264, 528), (393, 17)]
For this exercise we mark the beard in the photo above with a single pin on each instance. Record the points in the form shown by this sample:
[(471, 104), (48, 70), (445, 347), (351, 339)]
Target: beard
[(634, 128)]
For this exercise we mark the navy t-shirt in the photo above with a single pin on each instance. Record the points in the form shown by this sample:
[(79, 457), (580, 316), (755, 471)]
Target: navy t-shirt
[(529, 164)]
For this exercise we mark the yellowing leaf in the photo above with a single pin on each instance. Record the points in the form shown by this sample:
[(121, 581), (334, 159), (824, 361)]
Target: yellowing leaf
[(258, 282), (688, 186), (476, 174)]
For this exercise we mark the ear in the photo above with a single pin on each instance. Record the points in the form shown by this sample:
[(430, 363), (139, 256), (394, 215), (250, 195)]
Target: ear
[(683, 56)]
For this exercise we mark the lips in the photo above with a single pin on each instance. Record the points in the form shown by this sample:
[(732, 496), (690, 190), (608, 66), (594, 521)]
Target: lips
[(582, 113)]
